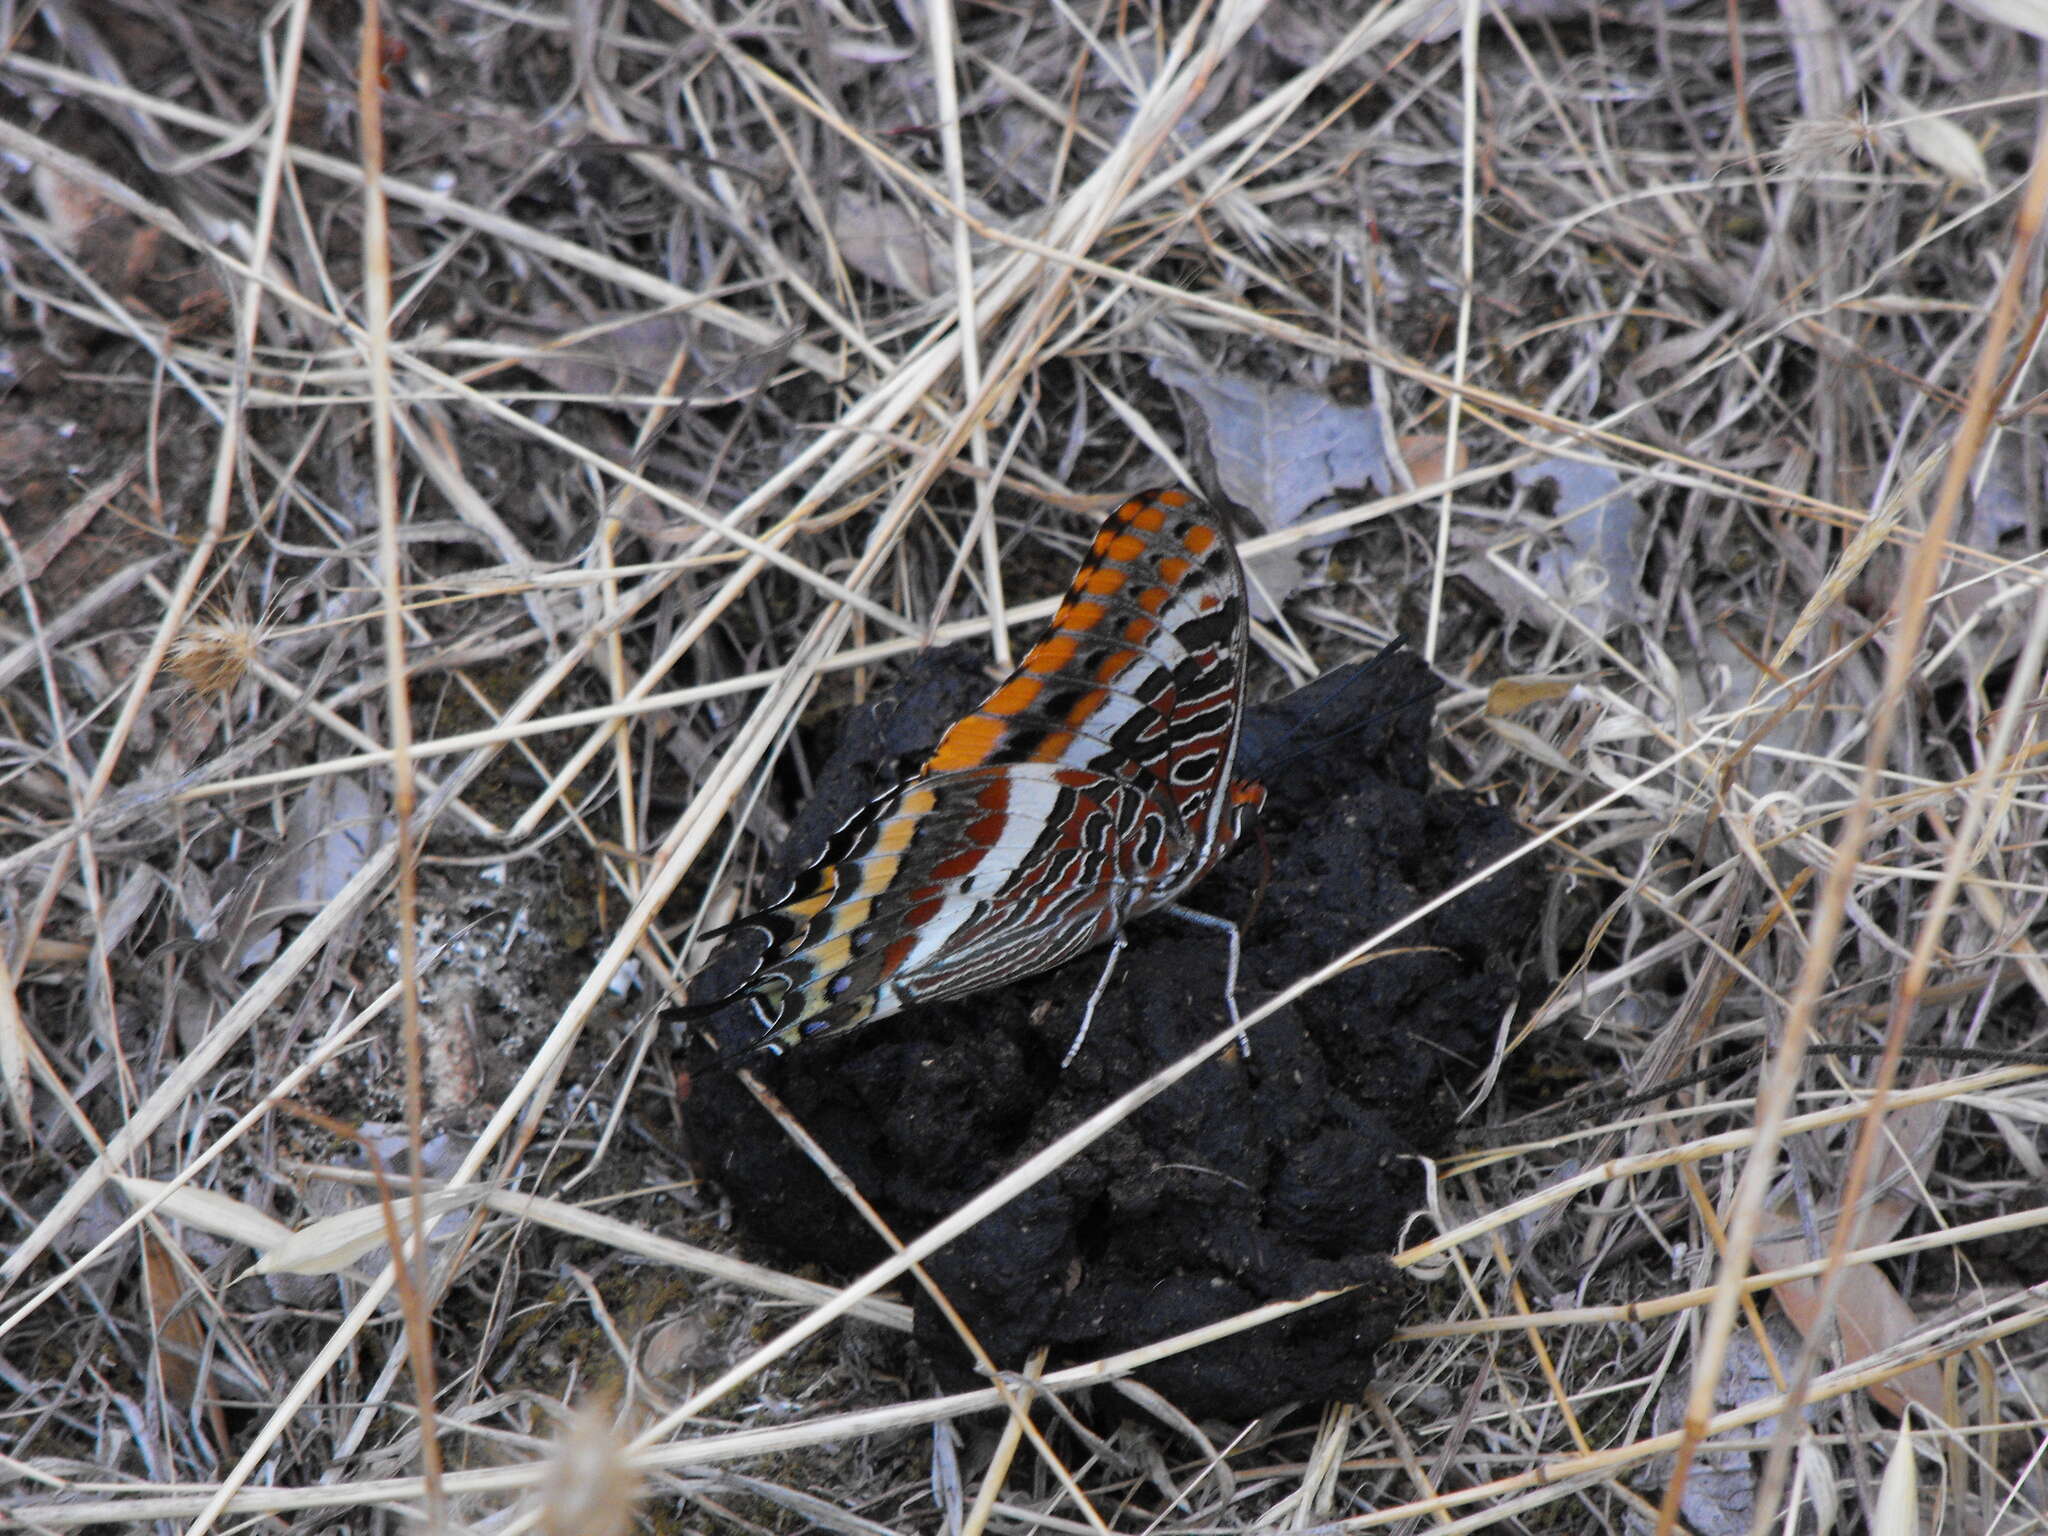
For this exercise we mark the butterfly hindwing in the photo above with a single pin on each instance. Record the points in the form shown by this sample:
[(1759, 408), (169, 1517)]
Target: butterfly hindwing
[(934, 880)]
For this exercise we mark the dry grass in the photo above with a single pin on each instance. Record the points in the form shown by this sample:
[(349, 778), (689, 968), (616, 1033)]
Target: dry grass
[(397, 630)]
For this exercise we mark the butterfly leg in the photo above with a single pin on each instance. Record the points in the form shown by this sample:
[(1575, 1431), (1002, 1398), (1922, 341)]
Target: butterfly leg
[(1230, 930), (1116, 948)]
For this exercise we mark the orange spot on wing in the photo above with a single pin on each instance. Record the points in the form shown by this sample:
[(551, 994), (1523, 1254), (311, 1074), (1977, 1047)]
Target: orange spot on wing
[(1148, 516), (1082, 617), (1174, 499), (1105, 582), (1085, 706), (1173, 568), (1051, 654), (1200, 539), (1113, 665), (1138, 631), (1152, 599), (1125, 547), (811, 906), (966, 745), (1013, 696), (1054, 748)]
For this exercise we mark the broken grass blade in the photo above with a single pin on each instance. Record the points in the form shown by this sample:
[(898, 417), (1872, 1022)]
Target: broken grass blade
[(210, 1211), (335, 1242)]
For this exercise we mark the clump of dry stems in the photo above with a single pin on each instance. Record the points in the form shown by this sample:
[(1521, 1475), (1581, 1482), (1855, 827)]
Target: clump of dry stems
[(594, 393)]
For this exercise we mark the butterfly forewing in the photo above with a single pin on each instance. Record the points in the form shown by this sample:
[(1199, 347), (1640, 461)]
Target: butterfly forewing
[(1092, 785), (1147, 643)]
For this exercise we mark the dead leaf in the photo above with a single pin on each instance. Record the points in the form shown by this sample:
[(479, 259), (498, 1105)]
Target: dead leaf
[(329, 833), (889, 243), (615, 354), (1869, 1311), (681, 1344), (76, 519), (1591, 569), (632, 353), (1423, 453), (1277, 450), (1511, 695), (1872, 1316), (175, 1334), (76, 212), (127, 256), (1720, 1485)]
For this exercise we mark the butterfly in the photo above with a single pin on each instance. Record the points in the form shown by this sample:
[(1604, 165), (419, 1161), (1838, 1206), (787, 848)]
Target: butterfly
[(1094, 785)]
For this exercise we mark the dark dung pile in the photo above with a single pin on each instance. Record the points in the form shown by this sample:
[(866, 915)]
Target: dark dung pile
[(1248, 1182)]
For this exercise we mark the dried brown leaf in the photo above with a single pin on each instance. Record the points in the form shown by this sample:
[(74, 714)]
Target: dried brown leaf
[(76, 212), (1870, 1312), (1591, 567), (626, 353), (887, 243), (332, 829), (1510, 695), (175, 1332), (1423, 453)]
